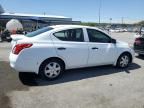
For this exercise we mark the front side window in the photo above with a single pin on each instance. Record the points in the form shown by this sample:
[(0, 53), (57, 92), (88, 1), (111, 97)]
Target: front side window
[(97, 36), (70, 35)]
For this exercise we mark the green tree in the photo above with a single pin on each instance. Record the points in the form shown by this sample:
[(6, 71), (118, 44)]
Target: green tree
[(141, 23), (88, 24)]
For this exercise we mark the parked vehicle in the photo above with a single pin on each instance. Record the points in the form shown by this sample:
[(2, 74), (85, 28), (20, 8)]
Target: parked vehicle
[(118, 30), (5, 36), (51, 50), (139, 42)]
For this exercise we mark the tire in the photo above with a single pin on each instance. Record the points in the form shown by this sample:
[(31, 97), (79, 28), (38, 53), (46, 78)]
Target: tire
[(123, 61), (51, 69), (0, 39), (140, 55), (9, 40)]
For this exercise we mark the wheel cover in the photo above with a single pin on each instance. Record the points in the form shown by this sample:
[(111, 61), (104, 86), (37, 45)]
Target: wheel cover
[(124, 61), (52, 70)]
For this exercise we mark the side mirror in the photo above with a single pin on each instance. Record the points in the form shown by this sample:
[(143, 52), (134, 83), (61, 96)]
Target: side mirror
[(113, 41)]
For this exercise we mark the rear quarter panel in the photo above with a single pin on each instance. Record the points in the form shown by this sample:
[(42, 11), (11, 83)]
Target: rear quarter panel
[(30, 59)]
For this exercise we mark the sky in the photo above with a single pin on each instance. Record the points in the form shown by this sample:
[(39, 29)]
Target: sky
[(128, 11)]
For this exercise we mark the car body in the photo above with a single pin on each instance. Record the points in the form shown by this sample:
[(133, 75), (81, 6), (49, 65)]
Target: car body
[(139, 42), (67, 47), (16, 37)]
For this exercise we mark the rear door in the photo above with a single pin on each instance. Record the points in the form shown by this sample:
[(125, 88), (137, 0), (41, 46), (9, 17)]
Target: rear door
[(71, 46)]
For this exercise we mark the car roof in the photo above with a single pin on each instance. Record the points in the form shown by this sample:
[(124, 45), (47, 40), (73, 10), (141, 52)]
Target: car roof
[(60, 27), (72, 26)]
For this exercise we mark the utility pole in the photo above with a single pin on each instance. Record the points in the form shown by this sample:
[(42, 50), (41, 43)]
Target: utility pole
[(110, 21), (110, 26), (122, 20), (100, 11)]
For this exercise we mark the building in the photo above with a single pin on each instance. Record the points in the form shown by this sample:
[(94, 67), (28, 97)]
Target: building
[(33, 21)]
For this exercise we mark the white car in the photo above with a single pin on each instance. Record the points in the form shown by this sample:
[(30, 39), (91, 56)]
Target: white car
[(51, 50)]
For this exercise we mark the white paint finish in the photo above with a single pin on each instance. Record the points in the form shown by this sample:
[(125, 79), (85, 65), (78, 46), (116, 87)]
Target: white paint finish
[(105, 54), (77, 54)]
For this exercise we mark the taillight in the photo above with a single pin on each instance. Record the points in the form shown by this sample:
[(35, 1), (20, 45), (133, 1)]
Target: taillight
[(137, 41), (19, 47)]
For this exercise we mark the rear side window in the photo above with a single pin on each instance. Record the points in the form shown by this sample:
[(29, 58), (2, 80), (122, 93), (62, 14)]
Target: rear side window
[(70, 35), (39, 31)]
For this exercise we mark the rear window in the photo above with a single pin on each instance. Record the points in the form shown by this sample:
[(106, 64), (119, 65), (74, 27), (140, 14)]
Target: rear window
[(39, 31)]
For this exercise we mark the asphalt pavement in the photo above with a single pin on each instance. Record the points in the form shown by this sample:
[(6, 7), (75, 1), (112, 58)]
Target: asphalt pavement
[(97, 87)]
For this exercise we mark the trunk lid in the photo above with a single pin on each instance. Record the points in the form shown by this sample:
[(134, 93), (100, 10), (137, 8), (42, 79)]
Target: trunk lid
[(16, 38)]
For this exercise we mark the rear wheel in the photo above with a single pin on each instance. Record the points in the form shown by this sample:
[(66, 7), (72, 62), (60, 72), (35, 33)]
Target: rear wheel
[(51, 69), (123, 61)]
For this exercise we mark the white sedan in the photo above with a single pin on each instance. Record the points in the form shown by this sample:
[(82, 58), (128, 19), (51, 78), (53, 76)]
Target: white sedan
[(51, 50)]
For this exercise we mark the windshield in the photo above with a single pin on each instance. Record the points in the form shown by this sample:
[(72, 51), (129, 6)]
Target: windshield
[(39, 31)]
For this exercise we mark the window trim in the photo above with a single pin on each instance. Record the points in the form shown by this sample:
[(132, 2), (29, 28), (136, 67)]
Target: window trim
[(100, 32)]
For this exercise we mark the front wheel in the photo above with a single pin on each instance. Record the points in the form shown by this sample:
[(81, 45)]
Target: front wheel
[(51, 69), (123, 61)]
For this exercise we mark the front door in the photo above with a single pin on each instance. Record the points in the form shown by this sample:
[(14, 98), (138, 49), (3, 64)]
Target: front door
[(101, 50)]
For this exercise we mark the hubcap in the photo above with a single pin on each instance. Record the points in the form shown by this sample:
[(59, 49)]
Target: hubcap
[(124, 61), (52, 70)]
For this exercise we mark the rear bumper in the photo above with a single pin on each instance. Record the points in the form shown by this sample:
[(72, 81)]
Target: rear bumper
[(21, 65), (12, 59), (139, 51)]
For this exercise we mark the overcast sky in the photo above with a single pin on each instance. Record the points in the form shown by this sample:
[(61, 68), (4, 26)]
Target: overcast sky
[(83, 10)]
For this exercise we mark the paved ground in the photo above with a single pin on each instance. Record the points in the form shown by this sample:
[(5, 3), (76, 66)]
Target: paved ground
[(127, 37), (5, 49), (98, 87)]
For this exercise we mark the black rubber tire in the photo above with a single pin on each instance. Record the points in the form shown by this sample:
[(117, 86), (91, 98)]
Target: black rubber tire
[(9, 40), (119, 59), (141, 55), (0, 39), (43, 65)]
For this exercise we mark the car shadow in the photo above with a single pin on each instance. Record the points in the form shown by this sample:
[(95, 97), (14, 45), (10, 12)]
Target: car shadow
[(8, 83), (74, 75)]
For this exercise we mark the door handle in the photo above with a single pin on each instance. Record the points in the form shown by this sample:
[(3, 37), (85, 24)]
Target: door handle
[(61, 48), (94, 48)]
